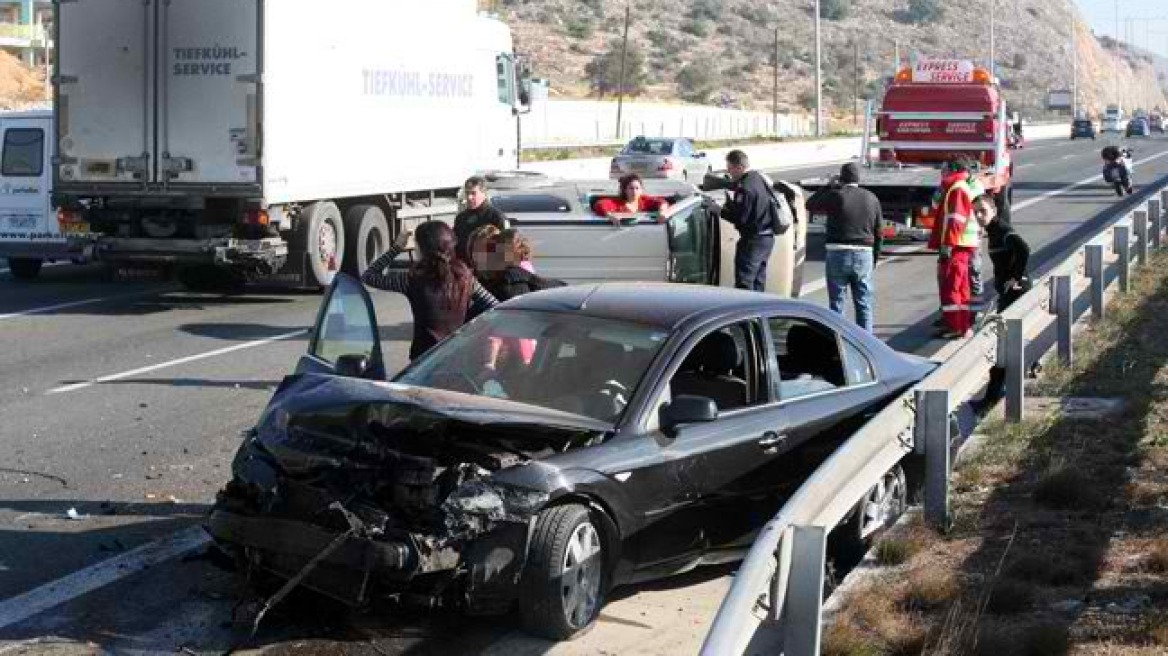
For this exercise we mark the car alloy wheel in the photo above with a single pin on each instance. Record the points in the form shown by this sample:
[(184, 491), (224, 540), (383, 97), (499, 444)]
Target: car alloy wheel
[(580, 576), (884, 504)]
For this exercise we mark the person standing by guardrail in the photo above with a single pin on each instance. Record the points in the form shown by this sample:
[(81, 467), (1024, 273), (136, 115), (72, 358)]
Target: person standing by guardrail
[(1010, 255), (853, 242), (955, 236), (750, 210)]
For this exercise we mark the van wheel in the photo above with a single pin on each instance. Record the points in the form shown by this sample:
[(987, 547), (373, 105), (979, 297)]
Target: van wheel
[(321, 235), (368, 237), (25, 268), (564, 581)]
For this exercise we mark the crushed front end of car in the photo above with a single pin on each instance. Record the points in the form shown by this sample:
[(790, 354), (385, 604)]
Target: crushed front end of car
[(358, 490)]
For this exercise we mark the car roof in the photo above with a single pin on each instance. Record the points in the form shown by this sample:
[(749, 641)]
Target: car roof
[(663, 305)]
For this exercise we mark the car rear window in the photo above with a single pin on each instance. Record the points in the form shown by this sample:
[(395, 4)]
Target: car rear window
[(649, 147), (531, 204)]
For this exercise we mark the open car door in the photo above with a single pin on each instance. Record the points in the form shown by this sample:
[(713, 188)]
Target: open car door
[(345, 340)]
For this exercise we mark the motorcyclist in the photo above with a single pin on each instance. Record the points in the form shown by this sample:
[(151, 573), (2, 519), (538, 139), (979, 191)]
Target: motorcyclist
[(1117, 169)]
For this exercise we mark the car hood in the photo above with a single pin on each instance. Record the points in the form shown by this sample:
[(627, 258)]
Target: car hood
[(320, 421)]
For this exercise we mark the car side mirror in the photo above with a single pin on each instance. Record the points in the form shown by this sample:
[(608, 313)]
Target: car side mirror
[(354, 365), (686, 409)]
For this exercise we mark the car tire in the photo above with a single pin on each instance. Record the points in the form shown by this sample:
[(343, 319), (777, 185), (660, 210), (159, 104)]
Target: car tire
[(25, 268), (321, 235), (880, 508), (368, 236), (563, 584)]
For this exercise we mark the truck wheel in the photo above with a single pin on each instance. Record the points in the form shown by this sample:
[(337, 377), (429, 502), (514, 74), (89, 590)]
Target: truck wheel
[(368, 237), (321, 234), (564, 580), (25, 268)]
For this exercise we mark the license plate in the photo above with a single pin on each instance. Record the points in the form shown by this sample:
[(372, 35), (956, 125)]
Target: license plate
[(22, 222)]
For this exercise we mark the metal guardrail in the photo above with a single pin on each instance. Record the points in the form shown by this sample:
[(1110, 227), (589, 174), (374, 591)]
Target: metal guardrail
[(781, 580)]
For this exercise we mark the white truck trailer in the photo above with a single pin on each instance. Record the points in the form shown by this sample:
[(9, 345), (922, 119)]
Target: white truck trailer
[(279, 139)]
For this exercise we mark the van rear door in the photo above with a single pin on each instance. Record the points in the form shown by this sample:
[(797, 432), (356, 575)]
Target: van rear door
[(28, 226)]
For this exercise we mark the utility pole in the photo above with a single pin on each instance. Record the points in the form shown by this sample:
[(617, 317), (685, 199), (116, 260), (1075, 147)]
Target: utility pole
[(775, 87), (818, 74), (993, 39), (855, 81), (1074, 68), (620, 99)]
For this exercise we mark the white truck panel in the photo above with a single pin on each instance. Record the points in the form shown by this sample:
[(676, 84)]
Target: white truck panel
[(106, 70), (390, 97), (207, 114)]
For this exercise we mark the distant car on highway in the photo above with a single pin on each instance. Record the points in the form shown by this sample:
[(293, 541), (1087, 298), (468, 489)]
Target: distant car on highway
[(573, 243), (672, 158), (1083, 128), (1156, 123), (655, 428), (1138, 127)]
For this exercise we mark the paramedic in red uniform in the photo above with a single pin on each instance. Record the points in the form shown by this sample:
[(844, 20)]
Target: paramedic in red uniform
[(955, 236)]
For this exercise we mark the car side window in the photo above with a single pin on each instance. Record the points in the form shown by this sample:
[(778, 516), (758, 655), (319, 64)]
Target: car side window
[(857, 366), (809, 358), (725, 366)]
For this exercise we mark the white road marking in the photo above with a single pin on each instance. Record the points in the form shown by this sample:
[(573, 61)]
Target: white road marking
[(73, 304), (1059, 192), (18, 609), (174, 363)]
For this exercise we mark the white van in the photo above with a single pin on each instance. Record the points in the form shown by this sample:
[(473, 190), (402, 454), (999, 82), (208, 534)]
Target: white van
[(29, 232)]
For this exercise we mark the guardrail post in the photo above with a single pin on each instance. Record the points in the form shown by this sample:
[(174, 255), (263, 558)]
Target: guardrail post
[(803, 625), (1140, 222), (1123, 251), (1097, 273), (1015, 370), (1157, 221), (1063, 309), (933, 424), (1163, 201)]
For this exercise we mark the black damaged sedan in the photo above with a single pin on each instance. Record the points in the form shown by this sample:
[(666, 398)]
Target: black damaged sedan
[(620, 433)]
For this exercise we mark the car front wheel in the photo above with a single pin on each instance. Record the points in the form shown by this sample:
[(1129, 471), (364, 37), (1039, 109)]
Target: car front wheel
[(563, 584), (880, 508)]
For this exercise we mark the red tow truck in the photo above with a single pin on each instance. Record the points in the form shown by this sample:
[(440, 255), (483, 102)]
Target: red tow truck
[(932, 111)]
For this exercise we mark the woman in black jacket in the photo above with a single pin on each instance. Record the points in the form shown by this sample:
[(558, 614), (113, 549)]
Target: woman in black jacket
[(442, 291)]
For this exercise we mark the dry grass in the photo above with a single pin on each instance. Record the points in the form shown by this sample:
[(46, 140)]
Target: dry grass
[(930, 589), (1064, 487), (895, 551)]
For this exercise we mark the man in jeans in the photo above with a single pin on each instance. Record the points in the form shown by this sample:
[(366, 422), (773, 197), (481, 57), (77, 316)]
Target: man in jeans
[(853, 242)]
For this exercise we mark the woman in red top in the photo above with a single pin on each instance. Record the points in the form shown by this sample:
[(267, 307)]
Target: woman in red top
[(632, 200)]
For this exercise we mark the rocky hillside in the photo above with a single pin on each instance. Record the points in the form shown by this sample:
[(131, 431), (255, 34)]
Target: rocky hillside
[(721, 51)]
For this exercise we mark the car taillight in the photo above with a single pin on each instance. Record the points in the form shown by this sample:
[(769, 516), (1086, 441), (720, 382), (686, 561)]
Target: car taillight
[(666, 165), (256, 217), (68, 217)]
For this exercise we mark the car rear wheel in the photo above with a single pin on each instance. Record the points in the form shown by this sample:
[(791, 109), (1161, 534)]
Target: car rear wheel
[(880, 508), (564, 581), (25, 268)]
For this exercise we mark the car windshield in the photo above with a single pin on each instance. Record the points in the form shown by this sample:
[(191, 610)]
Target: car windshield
[(649, 147), (556, 360)]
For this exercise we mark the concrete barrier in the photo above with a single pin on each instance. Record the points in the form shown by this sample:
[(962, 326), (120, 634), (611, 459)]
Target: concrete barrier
[(770, 156)]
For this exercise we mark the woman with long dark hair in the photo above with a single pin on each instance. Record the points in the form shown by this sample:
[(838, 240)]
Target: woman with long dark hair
[(441, 289), (631, 199)]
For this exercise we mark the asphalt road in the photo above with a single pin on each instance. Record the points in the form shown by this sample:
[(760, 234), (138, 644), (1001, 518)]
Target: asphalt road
[(123, 401)]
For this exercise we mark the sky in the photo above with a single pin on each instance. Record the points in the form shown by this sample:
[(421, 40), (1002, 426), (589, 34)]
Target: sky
[(1150, 34)]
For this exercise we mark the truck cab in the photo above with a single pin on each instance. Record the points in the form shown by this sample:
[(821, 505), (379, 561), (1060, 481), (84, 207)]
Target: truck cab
[(30, 233)]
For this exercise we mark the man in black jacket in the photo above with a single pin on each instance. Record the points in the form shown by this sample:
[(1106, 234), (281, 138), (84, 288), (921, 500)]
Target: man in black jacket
[(478, 213), (749, 210), (853, 242)]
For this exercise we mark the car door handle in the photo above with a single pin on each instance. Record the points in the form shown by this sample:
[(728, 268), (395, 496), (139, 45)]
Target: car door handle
[(771, 441)]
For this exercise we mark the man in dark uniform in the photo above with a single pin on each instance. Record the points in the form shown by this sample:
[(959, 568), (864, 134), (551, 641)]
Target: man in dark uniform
[(749, 209), (478, 213)]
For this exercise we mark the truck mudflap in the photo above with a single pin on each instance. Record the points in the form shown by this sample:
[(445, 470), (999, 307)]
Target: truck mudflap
[(262, 256)]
